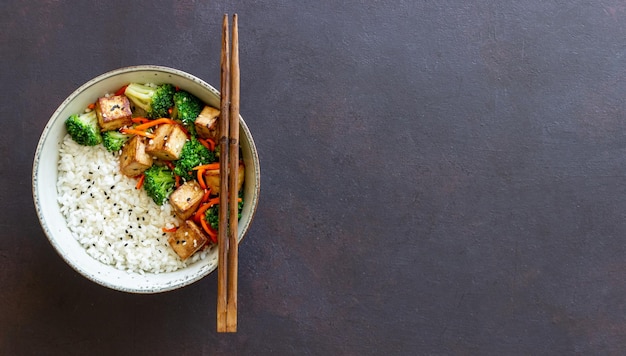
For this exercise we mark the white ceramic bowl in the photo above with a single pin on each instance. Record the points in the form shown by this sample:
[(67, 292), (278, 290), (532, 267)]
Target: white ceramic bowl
[(45, 176)]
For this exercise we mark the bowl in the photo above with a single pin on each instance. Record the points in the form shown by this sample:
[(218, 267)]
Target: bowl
[(45, 174)]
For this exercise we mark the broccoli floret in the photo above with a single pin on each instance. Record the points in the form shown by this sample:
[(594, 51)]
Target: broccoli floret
[(159, 183), (114, 140), (155, 100), (84, 128), (187, 107), (212, 214), (192, 155)]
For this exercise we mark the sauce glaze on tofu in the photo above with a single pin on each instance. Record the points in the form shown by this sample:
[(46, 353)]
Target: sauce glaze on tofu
[(113, 112)]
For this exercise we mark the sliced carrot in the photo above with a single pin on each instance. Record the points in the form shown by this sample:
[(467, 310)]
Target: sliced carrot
[(142, 177), (204, 143), (155, 122), (137, 132), (91, 106), (208, 143), (208, 167), (140, 120), (201, 178), (207, 194), (173, 229), (211, 144), (212, 234), (177, 179), (121, 90), (203, 208)]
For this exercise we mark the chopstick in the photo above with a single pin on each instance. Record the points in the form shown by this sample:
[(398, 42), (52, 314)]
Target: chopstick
[(228, 248), (222, 259), (233, 245)]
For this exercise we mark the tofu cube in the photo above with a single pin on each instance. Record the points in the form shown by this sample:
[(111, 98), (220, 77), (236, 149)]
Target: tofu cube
[(207, 123), (134, 159), (187, 240), (113, 112), (212, 179), (186, 199), (168, 142)]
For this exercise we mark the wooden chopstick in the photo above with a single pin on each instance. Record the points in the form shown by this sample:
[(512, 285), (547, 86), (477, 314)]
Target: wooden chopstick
[(233, 244), (222, 241), (228, 246)]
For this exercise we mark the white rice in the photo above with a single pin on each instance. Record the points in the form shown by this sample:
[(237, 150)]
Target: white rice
[(117, 224)]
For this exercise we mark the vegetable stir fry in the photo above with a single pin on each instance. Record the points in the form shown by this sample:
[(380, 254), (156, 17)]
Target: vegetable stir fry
[(165, 138)]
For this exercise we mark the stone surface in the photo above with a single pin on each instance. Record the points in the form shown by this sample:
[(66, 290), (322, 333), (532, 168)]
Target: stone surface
[(438, 177)]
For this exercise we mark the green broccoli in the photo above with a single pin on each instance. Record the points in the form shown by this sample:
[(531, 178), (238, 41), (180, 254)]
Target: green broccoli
[(187, 107), (192, 155), (114, 140), (159, 182), (84, 128), (155, 100), (212, 213)]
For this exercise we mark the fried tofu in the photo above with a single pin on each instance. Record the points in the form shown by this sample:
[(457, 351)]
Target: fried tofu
[(113, 112), (134, 160), (186, 199), (187, 240), (168, 142), (212, 179), (206, 123)]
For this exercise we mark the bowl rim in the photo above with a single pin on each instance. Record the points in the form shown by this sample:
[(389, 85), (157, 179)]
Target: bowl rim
[(42, 140)]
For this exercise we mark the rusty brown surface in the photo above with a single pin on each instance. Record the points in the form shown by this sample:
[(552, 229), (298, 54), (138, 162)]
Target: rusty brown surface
[(437, 177)]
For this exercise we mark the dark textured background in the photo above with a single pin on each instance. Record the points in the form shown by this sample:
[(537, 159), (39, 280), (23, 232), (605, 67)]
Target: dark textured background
[(438, 177)]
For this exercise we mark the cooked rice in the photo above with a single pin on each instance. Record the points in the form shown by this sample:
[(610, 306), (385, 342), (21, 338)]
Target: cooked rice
[(116, 223)]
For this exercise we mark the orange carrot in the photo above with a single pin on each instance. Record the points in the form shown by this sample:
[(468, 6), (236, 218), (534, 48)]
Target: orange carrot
[(151, 123), (201, 178), (140, 120), (207, 167), (211, 144), (177, 178), (137, 132), (142, 177), (91, 106), (207, 194), (203, 208), (204, 143), (212, 234)]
